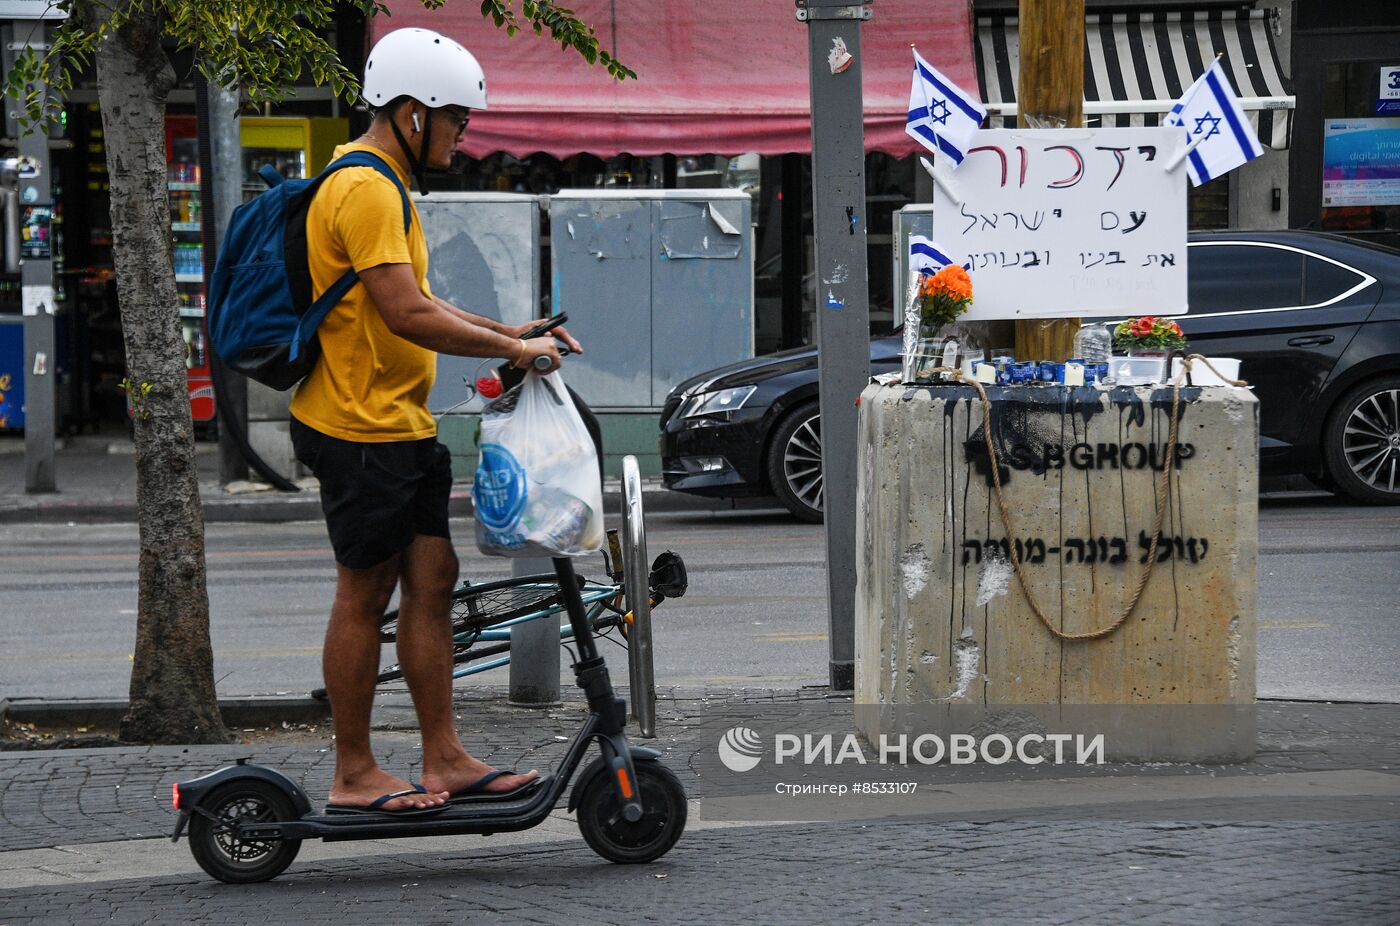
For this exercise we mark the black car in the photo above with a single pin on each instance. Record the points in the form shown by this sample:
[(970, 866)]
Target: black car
[(1314, 319)]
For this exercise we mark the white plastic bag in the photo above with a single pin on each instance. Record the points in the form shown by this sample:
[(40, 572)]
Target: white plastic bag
[(537, 491)]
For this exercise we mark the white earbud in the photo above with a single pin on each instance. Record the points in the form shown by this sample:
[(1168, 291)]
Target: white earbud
[(416, 126)]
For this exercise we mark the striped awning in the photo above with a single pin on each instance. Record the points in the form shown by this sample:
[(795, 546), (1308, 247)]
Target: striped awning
[(1136, 65)]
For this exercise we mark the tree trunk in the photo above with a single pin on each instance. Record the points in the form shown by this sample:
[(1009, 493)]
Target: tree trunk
[(172, 678)]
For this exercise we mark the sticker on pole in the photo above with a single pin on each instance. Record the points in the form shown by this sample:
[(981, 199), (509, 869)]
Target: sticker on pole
[(1068, 222)]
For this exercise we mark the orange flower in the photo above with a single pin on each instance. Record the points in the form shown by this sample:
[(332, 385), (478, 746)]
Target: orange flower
[(953, 280)]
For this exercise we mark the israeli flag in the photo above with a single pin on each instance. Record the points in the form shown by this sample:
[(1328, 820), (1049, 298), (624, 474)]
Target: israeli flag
[(925, 256), (1218, 135), (942, 117)]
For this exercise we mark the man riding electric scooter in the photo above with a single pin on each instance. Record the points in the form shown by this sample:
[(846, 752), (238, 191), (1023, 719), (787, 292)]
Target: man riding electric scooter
[(360, 422)]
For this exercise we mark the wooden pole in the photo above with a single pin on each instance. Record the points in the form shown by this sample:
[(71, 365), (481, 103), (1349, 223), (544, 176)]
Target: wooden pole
[(1050, 94)]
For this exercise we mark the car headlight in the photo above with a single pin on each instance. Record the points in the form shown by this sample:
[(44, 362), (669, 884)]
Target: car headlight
[(721, 403)]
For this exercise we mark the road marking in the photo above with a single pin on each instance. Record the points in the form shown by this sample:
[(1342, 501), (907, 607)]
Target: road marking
[(790, 637), (1292, 625), (94, 656)]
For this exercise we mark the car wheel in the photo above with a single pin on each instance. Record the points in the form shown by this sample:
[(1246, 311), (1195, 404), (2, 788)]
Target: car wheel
[(1362, 442), (795, 462)]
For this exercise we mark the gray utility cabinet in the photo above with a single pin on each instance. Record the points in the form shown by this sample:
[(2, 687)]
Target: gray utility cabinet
[(658, 285), (484, 257)]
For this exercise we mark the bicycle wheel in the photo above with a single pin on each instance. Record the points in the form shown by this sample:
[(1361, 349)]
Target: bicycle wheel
[(476, 607)]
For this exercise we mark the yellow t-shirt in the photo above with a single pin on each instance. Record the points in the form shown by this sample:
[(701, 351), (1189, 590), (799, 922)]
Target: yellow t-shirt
[(370, 385)]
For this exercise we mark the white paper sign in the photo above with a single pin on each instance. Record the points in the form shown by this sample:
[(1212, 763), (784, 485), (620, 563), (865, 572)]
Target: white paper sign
[(36, 299), (1068, 222)]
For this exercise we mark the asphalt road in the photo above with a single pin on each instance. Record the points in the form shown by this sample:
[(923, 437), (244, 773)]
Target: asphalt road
[(1329, 582)]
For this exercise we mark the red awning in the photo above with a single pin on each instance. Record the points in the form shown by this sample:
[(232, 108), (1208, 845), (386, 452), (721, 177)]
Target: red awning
[(713, 76)]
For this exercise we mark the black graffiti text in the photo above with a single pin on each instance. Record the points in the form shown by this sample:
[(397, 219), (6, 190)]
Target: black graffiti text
[(1088, 551)]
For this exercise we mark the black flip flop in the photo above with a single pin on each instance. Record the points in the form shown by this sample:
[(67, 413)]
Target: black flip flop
[(375, 807), (476, 791)]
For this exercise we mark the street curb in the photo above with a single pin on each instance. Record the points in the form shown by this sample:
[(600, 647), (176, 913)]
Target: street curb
[(237, 712), (273, 710), (276, 507)]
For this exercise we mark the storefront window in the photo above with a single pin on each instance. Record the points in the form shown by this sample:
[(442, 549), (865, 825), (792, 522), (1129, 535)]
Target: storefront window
[(1361, 147)]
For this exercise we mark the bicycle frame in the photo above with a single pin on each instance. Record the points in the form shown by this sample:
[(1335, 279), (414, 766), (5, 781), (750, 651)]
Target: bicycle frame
[(594, 596)]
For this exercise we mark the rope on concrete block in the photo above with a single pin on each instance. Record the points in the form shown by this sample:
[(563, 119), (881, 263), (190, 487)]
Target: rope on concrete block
[(1160, 486)]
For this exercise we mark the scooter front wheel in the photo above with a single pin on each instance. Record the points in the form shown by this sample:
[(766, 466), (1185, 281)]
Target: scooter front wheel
[(609, 834), (217, 847)]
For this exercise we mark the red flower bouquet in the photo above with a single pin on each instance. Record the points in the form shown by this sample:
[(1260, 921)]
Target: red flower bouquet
[(1148, 333)]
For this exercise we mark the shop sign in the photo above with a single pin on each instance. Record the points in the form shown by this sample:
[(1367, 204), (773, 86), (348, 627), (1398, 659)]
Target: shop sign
[(1388, 100), (1361, 162), (1068, 222)]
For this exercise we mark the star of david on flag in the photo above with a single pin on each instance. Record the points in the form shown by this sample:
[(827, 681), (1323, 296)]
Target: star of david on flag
[(941, 117), (1219, 137)]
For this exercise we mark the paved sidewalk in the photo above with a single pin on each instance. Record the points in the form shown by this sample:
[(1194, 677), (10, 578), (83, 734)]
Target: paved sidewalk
[(96, 479), (81, 838)]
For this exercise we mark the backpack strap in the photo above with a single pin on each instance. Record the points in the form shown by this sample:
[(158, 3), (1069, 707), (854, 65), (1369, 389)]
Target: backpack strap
[(322, 306)]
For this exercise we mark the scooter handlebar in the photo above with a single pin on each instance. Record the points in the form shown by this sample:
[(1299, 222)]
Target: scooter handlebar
[(542, 362)]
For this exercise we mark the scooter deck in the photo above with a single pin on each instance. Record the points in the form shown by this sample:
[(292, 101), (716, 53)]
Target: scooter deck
[(482, 817)]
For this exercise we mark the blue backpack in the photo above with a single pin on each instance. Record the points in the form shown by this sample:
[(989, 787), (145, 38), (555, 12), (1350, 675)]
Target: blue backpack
[(262, 319)]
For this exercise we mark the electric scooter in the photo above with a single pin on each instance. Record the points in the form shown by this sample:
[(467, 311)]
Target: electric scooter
[(246, 822)]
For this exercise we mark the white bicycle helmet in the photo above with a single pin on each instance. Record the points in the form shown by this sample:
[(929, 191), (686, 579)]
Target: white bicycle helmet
[(423, 64)]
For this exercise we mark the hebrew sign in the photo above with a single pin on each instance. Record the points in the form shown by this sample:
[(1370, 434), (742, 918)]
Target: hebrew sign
[(1068, 222)]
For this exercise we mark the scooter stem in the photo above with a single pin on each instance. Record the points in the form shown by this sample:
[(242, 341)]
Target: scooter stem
[(591, 673)]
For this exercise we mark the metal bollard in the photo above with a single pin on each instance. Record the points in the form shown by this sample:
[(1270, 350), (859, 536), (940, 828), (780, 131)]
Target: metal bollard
[(534, 650), (637, 590)]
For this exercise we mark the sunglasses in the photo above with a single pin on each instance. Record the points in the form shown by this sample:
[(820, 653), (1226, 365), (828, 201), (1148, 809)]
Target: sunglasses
[(459, 117)]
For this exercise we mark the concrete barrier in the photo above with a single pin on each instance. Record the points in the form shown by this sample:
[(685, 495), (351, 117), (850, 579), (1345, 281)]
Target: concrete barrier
[(941, 618)]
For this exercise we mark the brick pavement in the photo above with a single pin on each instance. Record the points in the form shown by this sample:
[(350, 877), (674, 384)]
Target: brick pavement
[(1088, 865), (911, 872)]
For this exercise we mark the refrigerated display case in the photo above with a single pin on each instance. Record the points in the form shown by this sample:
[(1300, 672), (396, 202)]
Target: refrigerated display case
[(295, 147), (186, 225)]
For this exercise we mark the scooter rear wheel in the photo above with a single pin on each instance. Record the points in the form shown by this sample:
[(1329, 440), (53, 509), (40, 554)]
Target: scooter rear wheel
[(609, 834), (242, 861)]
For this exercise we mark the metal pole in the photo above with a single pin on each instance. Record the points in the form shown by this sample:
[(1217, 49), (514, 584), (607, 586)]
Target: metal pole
[(36, 285), (794, 244), (227, 188), (641, 670), (843, 311), (534, 649)]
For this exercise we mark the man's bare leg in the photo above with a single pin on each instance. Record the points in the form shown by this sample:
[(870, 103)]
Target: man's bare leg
[(425, 651), (350, 663)]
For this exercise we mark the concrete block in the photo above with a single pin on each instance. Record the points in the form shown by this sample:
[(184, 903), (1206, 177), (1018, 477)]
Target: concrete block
[(940, 616), (267, 404), (272, 441)]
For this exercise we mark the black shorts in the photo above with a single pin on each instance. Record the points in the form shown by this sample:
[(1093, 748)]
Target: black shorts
[(377, 496)]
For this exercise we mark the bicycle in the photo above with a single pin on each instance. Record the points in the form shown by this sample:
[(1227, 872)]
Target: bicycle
[(483, 615)]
